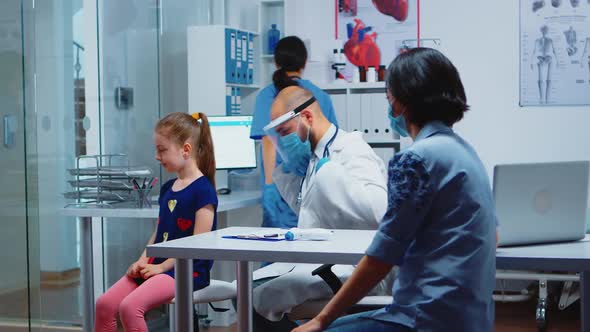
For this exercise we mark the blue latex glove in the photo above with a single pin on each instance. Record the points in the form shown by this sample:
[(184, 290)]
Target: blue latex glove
[(321, 163), (275, 211), (271, 200)]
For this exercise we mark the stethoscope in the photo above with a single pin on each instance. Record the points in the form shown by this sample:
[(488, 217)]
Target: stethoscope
[(326, 154)]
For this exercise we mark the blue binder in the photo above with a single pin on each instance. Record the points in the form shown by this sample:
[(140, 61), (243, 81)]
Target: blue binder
[(231, 51), (238, 105), (239, 71), (228, 94), (250, 79), (228, 47)]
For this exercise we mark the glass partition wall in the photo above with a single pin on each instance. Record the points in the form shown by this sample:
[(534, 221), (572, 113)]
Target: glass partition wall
[(79, 77)]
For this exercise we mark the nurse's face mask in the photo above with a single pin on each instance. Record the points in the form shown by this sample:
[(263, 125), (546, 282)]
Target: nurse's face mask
[(290, 135)]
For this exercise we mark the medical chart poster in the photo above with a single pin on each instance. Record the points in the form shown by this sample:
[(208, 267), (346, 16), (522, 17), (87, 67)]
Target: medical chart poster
[(373, 32), (554, 52)]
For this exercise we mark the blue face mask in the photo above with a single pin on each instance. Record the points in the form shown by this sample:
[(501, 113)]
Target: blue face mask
[(397, 123), (298, 153)]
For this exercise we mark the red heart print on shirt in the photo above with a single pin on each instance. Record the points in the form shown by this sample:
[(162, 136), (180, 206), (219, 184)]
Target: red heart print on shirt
[(397, 9), (184, 224)]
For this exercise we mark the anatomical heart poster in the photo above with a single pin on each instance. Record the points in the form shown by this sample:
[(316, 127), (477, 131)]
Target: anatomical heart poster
[(554, 52), (373, 32)]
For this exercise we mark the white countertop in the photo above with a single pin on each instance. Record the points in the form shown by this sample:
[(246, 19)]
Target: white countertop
[(235, 200), (345, 247), (566, 256), (348, 246)]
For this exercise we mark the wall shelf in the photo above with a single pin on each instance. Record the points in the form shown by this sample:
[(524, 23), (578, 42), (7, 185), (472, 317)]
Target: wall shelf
[(271, 2), (353, 86), (244, 86)]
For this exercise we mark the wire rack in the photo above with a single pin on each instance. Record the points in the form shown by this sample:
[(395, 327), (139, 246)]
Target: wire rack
[(107, 180)]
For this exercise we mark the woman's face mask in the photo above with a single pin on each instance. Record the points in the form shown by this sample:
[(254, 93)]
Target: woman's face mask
[(297, 153), (397, 123)]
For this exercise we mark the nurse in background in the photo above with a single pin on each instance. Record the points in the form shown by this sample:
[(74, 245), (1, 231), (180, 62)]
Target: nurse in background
[(290, 58)]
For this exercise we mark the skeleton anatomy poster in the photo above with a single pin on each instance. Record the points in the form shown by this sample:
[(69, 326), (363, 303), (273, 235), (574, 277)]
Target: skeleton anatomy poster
[(554, 52), (375, 31)]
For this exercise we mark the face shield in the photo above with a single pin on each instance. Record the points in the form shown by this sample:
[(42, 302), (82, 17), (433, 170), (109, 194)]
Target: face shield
[(291, 140)]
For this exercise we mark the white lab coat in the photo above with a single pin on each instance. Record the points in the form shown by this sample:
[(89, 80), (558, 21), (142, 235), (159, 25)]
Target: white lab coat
[(348, 192)]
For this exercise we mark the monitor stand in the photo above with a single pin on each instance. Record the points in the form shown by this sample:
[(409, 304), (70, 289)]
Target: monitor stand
[(221, 182)]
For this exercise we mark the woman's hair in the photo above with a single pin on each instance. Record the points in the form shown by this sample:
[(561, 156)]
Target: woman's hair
[(290, 55), (182, 127), (427, 84)]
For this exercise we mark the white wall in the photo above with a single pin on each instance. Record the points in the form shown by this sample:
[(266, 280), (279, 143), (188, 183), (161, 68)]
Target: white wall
[(484, 45)]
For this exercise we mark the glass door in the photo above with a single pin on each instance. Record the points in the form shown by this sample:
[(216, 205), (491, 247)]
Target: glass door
[(19, 276)]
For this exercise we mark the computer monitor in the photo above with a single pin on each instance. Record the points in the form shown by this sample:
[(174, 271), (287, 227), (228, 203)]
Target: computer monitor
[(232, 143)]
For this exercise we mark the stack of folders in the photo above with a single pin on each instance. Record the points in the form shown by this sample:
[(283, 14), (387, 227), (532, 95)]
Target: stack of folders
[(233, 100), (239, 67), (239, 56)]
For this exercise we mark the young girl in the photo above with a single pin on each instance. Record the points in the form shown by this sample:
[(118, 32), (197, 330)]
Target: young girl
[(188, 206)]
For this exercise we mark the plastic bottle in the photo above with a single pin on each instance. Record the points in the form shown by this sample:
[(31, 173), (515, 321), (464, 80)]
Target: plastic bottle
[(273, 38), (313, 234), (335, 57), (341, 56), (371, 74)]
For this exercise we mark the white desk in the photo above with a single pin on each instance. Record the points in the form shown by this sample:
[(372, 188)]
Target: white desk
[(346, 247), (563, 257), (235, 200)]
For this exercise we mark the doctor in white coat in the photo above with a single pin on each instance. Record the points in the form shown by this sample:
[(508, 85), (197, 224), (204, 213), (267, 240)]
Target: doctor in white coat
[(332, 179)]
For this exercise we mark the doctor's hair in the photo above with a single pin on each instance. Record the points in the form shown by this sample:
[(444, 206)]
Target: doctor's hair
[(428, 85), (290, 55), (181, 128), (295, 97)]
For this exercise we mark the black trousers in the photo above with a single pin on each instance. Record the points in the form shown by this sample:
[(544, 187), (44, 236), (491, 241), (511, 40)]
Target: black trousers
[(261, 324)]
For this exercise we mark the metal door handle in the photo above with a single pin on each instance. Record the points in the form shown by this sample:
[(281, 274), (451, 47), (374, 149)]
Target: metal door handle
[(10, 127)]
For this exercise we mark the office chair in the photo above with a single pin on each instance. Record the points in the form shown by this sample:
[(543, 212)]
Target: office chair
[(217, 290), (311, 308)]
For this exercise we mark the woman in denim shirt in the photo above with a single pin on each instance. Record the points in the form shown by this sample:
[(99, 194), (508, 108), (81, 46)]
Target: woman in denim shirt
[(439, 227)]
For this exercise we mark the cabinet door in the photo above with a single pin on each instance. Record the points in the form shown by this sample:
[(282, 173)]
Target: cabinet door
[(366, 113), (353, 108), (339, 102), (381, 132)]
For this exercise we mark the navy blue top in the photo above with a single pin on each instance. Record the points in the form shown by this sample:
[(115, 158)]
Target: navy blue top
[(439, 228), (177, 220)]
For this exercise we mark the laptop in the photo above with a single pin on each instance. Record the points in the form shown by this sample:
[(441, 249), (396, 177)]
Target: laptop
[(541, 202)]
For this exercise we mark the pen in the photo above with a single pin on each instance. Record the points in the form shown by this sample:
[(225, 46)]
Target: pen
[(135, 184)]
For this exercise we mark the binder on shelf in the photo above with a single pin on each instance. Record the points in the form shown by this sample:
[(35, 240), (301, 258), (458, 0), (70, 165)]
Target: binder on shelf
[(238, 109), (243, 36), (232, 103), (228, 95), (239, 49), (250, 79), (230, 49)]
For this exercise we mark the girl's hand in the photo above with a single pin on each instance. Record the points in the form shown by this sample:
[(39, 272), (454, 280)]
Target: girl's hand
[(150, 270), (133, 270), (313, 325)]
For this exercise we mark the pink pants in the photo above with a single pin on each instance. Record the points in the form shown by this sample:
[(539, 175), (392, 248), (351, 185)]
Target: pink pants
[(131, 302)]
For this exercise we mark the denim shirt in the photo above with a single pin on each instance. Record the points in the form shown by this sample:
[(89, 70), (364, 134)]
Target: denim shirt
[(439, 229)]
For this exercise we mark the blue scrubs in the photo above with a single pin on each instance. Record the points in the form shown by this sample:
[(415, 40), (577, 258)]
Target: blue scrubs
[(439, 229), (276, 212)]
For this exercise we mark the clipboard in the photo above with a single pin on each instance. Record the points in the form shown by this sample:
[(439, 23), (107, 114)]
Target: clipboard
[(258, 236)]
